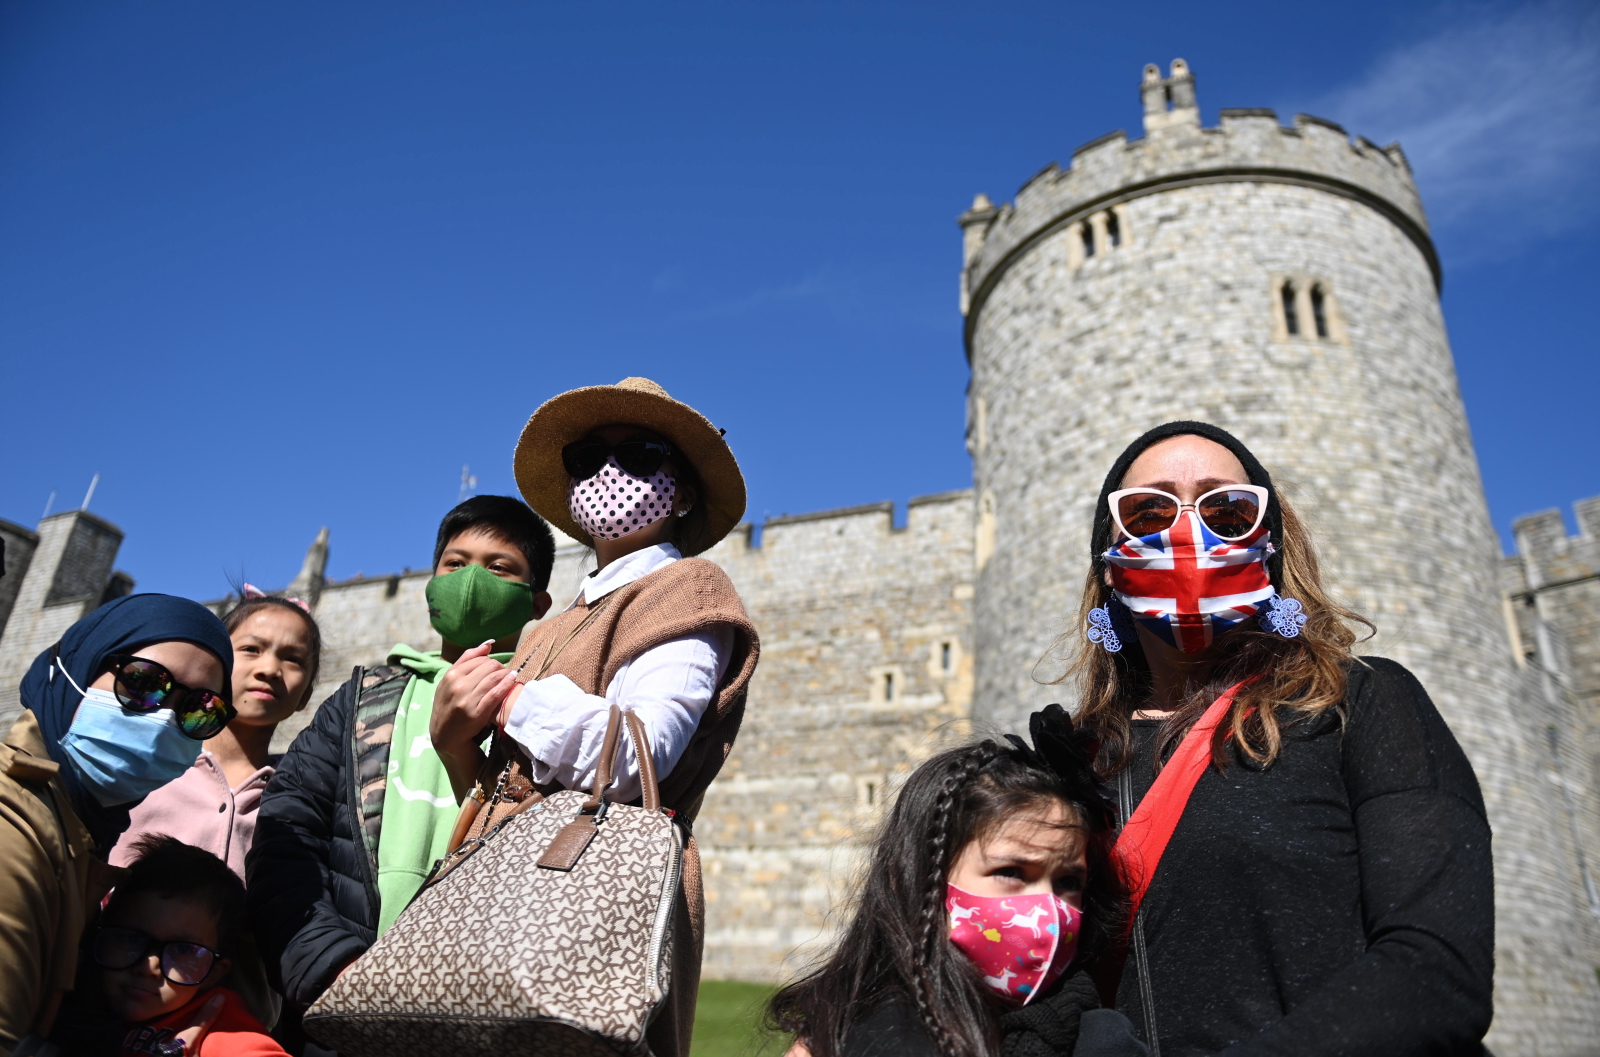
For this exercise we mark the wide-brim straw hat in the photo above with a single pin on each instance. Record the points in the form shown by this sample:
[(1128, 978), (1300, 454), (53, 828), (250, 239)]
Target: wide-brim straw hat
[(573, 415)]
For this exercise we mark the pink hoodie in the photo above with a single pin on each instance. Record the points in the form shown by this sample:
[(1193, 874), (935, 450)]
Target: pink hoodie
[(199, 809)]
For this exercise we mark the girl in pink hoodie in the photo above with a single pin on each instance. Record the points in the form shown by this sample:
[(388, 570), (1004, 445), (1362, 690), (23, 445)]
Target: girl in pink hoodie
[(276, 650)]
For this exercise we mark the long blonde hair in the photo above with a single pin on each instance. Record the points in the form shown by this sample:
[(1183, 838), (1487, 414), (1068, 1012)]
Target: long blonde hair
[(1289, 679)]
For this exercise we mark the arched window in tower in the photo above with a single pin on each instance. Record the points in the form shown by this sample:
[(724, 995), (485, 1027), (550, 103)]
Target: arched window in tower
[(1113, 229), (1088, 238), (1291, 318), (1319, 311)]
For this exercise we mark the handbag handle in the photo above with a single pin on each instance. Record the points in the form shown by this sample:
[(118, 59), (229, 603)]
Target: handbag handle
[(650, 791), (570, 841), (603, 766)]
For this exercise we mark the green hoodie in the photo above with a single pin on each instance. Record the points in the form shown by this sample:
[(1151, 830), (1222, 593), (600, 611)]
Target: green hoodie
[(419, 806)]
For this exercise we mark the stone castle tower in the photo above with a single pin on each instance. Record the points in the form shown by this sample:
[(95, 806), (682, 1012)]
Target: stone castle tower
[(1280, 282)]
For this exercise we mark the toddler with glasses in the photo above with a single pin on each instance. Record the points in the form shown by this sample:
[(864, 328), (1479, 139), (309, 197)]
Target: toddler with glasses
[(162, 952)]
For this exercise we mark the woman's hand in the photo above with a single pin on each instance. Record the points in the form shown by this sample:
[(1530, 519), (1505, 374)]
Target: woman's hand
[(467, 699)]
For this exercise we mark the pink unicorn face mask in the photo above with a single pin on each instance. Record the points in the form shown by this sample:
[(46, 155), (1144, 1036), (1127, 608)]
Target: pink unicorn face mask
[(614, 503), (1021, 944)]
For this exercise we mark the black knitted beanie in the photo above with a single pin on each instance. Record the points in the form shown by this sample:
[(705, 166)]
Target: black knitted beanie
[(1100, 542)]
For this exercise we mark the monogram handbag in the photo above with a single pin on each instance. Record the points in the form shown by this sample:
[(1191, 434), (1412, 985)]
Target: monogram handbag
[(547, 930)]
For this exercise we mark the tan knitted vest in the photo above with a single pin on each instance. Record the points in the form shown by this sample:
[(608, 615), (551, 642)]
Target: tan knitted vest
[(588, 644)]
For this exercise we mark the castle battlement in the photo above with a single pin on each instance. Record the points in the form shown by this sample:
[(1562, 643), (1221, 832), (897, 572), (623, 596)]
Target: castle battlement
[(849, 548), (1248, 146), (1547, 557)]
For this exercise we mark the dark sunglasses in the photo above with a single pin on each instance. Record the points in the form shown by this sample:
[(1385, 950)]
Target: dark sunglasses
[(145, 686), (185, 964), (636, 455)]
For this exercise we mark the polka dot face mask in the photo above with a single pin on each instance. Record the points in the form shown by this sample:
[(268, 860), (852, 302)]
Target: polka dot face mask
[(614, 503)]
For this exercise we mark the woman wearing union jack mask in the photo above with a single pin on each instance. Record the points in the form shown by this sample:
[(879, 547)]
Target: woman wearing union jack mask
[(1305, 839)]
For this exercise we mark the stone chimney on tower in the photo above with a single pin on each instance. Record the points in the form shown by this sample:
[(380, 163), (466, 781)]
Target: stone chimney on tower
[(66, 576), (1169, 102), (313, 572)]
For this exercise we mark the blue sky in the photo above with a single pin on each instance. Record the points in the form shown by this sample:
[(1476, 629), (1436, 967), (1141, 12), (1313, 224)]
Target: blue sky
[(272, 267)]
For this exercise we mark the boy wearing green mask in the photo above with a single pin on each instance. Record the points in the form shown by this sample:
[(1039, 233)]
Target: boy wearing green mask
[(361, 805)]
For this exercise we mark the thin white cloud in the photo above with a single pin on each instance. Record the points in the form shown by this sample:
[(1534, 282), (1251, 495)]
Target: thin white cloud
[(1499, 115), (763, 299), (863, 300)]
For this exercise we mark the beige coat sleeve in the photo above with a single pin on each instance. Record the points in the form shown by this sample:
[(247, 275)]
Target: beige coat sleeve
[(31, 871), (46, 864)]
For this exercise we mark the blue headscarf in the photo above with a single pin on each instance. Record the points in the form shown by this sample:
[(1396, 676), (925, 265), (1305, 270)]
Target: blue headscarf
[(121, 626)]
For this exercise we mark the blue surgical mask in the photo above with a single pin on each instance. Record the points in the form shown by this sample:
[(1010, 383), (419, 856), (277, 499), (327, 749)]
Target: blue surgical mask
[(124, 756)]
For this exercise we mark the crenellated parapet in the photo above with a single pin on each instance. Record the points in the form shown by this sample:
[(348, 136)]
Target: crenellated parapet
[(1248, 146), (1549, 557)]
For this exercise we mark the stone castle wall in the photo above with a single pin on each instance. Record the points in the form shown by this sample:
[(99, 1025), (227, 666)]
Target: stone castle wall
[(1552, 606), (866, 668), (1074, 353)]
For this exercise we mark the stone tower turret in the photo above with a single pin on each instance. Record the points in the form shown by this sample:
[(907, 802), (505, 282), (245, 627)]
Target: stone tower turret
[(1282, 283), (67, 574), (308, 585)]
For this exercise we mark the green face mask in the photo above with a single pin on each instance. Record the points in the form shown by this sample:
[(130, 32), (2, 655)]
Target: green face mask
[(472, 605)]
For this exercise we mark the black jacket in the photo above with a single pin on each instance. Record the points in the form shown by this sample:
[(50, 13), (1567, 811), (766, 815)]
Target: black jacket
[(1340, 901), (1065, 1022), (312, 870)]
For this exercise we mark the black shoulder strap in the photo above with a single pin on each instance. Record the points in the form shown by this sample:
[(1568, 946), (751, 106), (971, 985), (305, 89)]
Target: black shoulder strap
[(1141, 957)]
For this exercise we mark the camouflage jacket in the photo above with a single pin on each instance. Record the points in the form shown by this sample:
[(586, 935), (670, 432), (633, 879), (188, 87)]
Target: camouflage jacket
[(313, 868), (371, 731)]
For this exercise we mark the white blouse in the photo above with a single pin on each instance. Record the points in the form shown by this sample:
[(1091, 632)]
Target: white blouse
[(668, 686)]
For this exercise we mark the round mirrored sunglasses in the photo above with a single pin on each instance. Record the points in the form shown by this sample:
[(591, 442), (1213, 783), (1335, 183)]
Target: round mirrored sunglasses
[(144, 686)]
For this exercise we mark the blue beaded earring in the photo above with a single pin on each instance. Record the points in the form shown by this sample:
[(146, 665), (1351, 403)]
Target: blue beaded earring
[(1286, 616), (1101, 631), (1109, 625)]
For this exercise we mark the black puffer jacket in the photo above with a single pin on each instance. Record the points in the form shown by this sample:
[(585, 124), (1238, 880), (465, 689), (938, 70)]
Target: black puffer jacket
[(313, 891)]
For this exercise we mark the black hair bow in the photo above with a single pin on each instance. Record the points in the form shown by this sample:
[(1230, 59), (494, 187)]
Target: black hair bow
[(1068, 751)]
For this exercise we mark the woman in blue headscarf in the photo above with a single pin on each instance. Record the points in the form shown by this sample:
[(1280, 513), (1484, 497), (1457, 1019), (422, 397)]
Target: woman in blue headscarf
[(113, 711)]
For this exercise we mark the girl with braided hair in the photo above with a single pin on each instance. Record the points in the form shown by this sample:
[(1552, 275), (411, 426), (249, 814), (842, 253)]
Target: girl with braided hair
[(989, 892)]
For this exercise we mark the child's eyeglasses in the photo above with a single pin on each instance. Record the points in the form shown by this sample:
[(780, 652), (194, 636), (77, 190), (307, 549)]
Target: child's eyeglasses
[(637, 456), (184, 964), (145, 686), (1232, 512)]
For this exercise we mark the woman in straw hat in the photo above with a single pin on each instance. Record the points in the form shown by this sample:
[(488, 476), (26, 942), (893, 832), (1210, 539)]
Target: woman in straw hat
[(649, 483)]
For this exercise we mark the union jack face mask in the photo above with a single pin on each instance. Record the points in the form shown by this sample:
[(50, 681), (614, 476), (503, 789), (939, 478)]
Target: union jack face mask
[(1188, 585)]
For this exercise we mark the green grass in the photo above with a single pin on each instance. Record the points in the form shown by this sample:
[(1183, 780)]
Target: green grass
[(727, 1021)]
